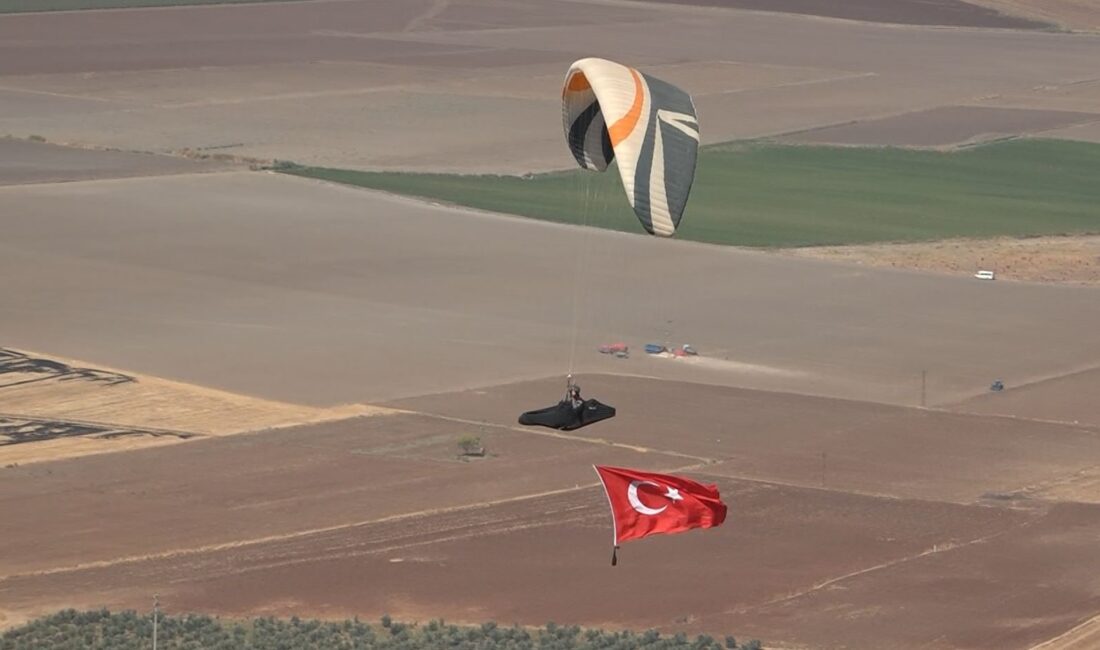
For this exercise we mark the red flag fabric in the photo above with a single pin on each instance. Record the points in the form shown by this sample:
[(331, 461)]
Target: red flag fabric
[(645, 503)]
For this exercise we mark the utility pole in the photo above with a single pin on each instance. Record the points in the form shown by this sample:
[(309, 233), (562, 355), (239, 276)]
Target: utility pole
[(156, 606)]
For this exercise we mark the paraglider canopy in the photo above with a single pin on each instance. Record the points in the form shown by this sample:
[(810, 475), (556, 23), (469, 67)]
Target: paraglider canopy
[(613, 111)]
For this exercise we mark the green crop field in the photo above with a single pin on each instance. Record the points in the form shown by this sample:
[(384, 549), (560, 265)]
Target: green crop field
[(27, 6), (765, 195)]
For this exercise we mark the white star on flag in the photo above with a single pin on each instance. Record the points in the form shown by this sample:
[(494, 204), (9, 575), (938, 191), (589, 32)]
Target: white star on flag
[(674, 494)]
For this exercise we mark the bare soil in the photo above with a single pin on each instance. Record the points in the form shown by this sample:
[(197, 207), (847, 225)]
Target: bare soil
[(946, 126), (1082, 15), (906, 12), (379, 515), (23, 161), (479, 563), (463, 85), (1059, 399), (214, 493), (1057, 260), (852, 524), (983, 594), (385, 297), (1083, 637), (868, 448)]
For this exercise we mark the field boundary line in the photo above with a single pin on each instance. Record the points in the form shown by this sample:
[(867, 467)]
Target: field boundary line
[(562, 436), (1027, 383), (1052, 644), (794, 84), (49, 93)]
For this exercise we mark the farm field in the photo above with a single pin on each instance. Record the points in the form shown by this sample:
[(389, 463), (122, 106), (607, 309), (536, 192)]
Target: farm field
[(1071, 14), (397, 545), (25, 6), (247, 391), (304, 292), (786, 196), (23, 162), (956, 13), (472, 86), (1072, 260)]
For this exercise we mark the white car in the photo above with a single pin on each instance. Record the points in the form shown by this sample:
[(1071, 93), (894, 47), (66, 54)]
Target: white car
[(984, 275)]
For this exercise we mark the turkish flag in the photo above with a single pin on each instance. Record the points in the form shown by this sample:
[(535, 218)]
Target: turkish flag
[(644, 503)]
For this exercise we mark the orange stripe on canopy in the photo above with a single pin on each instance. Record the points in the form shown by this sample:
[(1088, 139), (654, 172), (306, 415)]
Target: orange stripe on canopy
[(577, 82), (624, 126)]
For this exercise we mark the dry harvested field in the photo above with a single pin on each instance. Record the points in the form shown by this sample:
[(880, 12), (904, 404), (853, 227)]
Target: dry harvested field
[(1071, 14), (869, 448), (259, 305), (1083, 132), (939, 127), (23, 162), (983, 594), (457, 86), (51, 409), (215, 492), (954, 13), (302, 292), (352, 518), (1056, 260), (1057, 400), (1077, 94)]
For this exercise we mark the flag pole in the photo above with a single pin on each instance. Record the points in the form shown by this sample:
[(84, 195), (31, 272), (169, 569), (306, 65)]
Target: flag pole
[(614, 523)]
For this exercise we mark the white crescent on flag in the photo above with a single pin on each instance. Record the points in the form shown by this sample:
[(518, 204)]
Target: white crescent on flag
[(686, 504), (636, 503)]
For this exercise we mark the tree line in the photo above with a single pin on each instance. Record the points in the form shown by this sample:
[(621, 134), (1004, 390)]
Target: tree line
[(128, 630)]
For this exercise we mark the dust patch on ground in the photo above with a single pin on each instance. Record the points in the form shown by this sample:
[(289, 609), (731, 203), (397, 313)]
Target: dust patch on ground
[(52, 408), (1061, 260)]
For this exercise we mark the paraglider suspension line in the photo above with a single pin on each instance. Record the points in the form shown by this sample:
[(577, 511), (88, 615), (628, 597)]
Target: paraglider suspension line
[(580, 271)]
